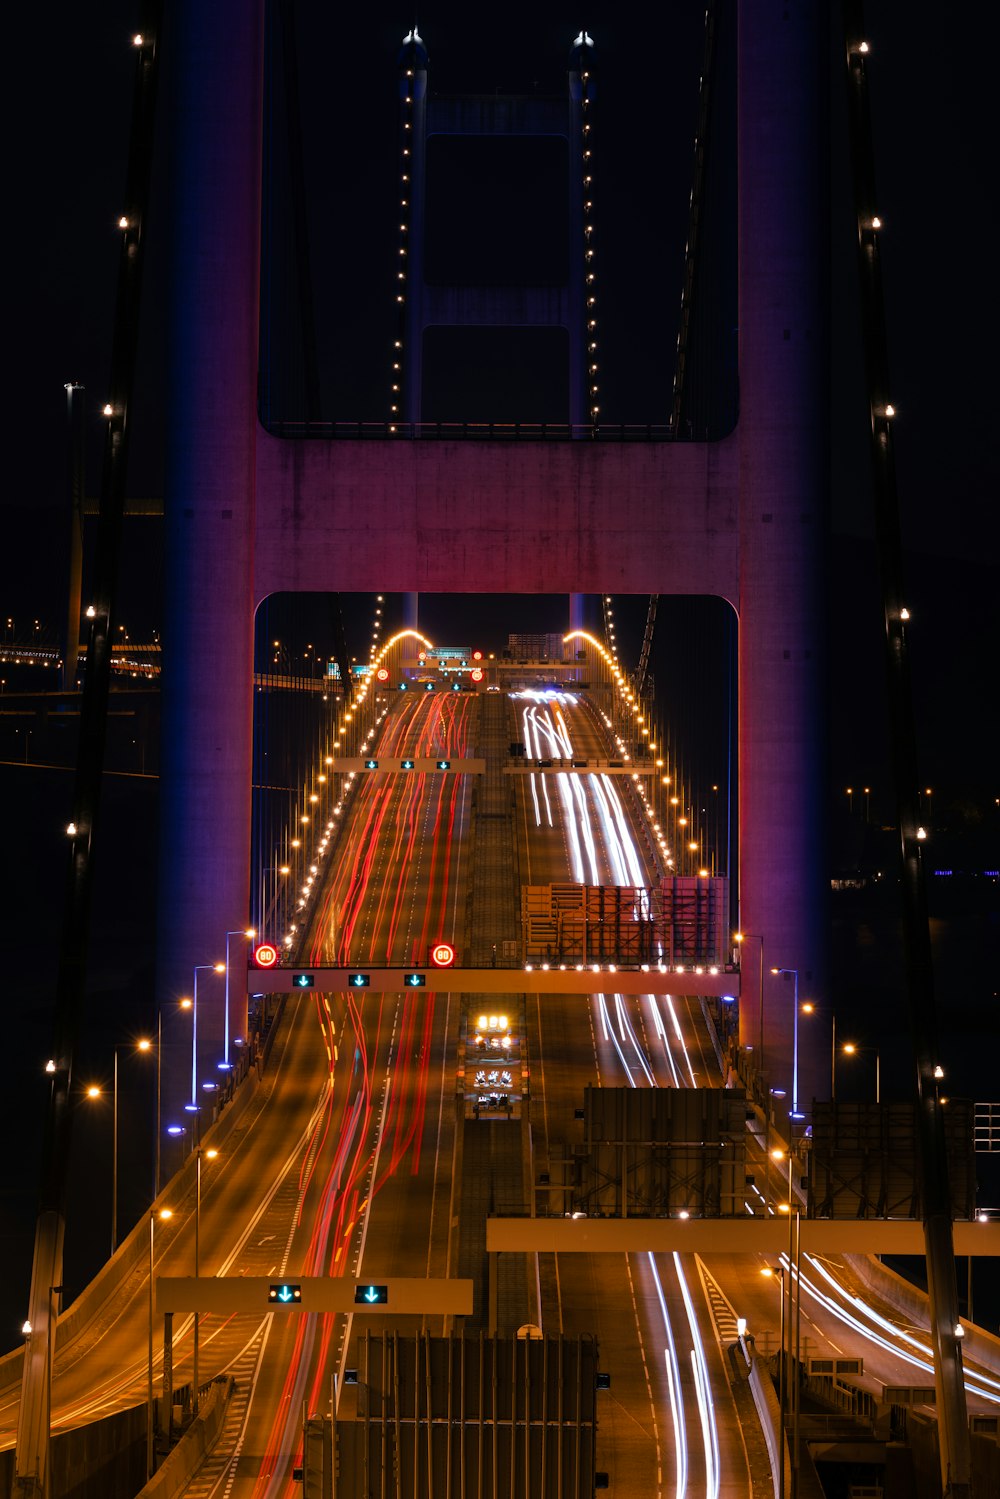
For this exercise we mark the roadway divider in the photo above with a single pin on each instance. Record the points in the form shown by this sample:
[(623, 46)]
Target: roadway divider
[(182, 1463), (769, 1415)]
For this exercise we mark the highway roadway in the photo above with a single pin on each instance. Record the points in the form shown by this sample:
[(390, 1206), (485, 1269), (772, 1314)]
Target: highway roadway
[(343, 1164)]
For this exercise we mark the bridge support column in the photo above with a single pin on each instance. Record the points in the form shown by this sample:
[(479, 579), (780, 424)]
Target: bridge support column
[(783, 525), (208, 630)]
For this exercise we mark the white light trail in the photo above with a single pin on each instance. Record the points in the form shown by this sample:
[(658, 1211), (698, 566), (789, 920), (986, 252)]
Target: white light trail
[(673, 1388)]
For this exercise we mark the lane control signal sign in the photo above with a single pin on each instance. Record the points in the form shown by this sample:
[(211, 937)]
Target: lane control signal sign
[(265, 955), (359, 980), (371, 765), (371, 1295), (303, 981), (444, 765), (406, 764), (285, 1294), (416, 981)]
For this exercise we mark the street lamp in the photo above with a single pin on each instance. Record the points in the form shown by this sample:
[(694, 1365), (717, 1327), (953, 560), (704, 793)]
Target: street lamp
[(850, 1049), (163, 1215), (199, 968), (142, 1045), (750, 937), (795, 1042), (200, 1154), (777, 1272), (264, 906), (248, 932)]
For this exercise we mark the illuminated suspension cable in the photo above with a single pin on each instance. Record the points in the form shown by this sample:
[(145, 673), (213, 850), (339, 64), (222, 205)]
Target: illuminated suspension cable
[(696, 204), (588, 93), (412, 50)]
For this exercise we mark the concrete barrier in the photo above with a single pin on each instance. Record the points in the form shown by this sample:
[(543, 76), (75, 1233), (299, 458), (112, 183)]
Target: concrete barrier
[(980, 1346), (183, 1462), (769, 1416)]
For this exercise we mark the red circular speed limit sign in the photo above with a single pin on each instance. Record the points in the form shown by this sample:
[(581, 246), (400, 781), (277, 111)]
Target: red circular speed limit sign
[(383, 674), (265, 955), (476, 673), (442, 955)]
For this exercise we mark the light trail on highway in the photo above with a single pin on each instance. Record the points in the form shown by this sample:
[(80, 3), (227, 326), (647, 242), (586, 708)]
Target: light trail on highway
[(353, 1172), (602, 849), (394, 888)]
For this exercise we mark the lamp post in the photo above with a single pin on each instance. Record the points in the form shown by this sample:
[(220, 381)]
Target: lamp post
[(850, 1049), (159, 1054), (199, 968), (751, 937), (795, 1041), (777, 1271), (142, 1045), (163, 1215), (264, 912), (247, 932)]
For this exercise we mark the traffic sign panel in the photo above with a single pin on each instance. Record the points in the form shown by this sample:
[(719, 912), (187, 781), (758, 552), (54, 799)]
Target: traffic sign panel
[(235, 1294), (371, 1295), (284, 1293)]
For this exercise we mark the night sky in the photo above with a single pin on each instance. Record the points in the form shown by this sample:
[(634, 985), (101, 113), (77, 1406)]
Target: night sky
[(67, 97)]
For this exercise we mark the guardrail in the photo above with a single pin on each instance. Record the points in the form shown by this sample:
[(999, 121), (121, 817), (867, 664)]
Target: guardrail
[(477, 431)]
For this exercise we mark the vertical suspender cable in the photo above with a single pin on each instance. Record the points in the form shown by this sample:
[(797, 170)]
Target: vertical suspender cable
[(696, 205), (931, 1148), (46, 1275)]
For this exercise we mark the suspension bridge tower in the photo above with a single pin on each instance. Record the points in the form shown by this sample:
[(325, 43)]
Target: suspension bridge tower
[(250, 513)]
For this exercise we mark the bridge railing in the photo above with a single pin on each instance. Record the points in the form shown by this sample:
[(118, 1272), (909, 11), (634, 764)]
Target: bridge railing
[(477, 431)]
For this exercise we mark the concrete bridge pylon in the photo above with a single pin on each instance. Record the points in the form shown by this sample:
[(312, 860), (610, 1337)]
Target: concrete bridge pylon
[(249, 514)]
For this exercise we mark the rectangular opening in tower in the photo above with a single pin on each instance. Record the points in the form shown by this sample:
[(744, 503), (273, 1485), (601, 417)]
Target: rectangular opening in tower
[(468, 688), (497, 211), (495, 375)]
